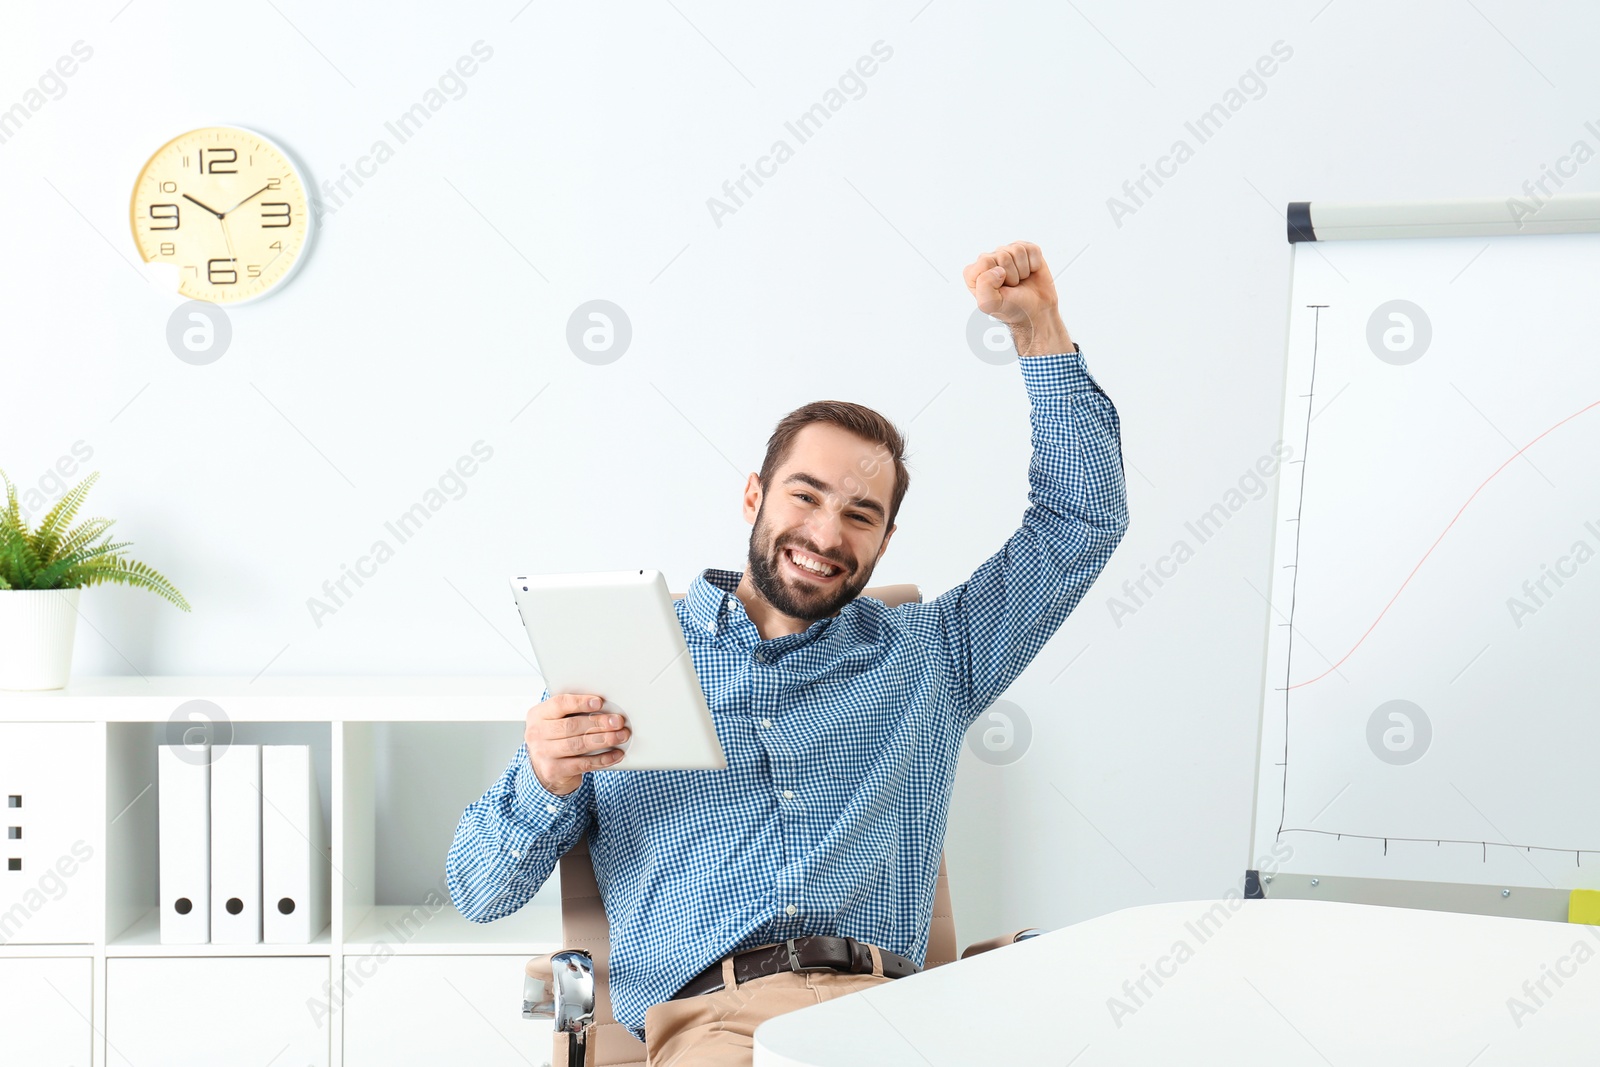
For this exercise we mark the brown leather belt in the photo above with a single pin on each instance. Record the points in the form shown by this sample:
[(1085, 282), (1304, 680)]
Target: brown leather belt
[(815, 953)]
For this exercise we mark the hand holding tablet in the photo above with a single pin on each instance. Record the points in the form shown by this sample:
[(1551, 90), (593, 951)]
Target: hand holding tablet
[(568, 735), (614, 637)]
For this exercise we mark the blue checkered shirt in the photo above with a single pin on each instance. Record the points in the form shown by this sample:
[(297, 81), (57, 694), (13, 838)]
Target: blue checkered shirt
[(841, 740)]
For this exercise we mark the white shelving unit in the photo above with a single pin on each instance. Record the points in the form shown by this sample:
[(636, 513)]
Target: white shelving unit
[(397, 977)]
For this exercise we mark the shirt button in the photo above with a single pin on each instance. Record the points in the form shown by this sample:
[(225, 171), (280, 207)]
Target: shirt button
[(788, 794), (761, 657), (791, 909), (550, 808), (711, 626), (766, 722), (515, 854)]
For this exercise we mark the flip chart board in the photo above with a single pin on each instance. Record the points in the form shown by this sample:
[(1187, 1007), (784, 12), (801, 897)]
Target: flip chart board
[(1431, 695)]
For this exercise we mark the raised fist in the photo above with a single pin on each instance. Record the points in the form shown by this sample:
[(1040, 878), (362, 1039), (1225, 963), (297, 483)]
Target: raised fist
[(1013, 284)]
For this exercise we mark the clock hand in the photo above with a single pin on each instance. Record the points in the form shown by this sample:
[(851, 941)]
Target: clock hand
[(213, 210), (232, 255), (252, 196)]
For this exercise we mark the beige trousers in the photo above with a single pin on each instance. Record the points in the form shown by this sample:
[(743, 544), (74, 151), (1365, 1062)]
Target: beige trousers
[(718, 1029)]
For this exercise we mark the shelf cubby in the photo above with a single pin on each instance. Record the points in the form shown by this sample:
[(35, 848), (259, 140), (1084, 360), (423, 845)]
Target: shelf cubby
[(397, 760)]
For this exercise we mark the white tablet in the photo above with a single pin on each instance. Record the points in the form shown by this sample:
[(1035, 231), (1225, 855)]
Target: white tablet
[(617, 635)]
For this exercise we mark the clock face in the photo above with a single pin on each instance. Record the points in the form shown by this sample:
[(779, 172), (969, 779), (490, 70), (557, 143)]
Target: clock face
[(227, 207)]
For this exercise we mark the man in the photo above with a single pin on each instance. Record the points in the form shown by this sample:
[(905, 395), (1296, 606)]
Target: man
[(842, 719)]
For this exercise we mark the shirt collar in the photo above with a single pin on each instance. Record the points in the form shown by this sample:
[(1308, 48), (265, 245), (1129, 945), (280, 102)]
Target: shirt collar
[(707, 594), (714, 589)]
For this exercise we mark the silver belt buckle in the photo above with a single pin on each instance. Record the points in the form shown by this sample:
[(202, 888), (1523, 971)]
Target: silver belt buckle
[(794, 960)]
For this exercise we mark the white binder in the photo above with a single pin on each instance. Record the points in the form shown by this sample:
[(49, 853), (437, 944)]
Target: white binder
[(236, 846), (294, 847), (183, 803)]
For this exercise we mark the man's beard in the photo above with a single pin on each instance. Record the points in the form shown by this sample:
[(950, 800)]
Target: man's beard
[(790, 596)]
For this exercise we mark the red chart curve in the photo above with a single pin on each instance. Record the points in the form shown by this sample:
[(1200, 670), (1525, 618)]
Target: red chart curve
[(1494, 474)]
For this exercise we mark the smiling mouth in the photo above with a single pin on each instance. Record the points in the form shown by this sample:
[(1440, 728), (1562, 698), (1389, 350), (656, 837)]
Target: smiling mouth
[(806, 572)]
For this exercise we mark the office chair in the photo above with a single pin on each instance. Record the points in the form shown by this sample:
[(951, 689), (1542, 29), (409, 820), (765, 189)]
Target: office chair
[(570, 988)]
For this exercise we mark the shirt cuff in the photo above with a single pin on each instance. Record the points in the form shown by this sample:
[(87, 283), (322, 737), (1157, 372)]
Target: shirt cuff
[(536, 803), (1058, 374)]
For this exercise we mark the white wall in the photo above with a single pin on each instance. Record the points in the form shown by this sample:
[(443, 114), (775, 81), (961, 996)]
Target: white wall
[(591, 141)]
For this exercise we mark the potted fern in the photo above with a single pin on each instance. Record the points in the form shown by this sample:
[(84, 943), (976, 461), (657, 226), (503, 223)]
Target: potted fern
[(42, 572)]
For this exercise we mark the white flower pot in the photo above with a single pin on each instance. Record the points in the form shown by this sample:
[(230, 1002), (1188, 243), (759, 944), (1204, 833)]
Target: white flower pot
[(36, 631)]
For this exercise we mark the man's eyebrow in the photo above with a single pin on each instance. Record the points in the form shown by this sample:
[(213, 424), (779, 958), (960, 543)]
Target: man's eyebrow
[(816, 483)]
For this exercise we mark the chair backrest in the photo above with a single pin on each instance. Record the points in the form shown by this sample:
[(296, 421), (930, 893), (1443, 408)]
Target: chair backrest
[(584, 925)]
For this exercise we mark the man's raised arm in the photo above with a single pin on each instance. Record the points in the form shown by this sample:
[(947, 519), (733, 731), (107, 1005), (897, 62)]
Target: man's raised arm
[(993, 624)]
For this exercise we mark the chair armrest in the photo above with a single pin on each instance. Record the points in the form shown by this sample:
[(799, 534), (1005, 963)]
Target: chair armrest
[(559, 986), (998, 942)]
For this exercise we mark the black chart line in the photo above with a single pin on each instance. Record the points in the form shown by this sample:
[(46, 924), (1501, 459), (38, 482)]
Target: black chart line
[(1294, 583), (1578, 852)]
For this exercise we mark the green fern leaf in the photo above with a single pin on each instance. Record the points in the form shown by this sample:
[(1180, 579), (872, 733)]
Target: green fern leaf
[(86, 532), (128, 572), (21, 558), (13, 539), (51, 577), (49, 532), (13, 514)]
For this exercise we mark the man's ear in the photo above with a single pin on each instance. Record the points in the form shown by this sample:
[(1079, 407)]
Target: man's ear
[(752, 497), (885, 546)]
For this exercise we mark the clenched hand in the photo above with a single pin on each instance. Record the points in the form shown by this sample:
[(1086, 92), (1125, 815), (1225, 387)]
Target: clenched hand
[(1013, 283)]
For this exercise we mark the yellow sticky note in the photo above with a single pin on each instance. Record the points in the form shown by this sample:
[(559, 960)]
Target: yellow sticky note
[(1584, 906)]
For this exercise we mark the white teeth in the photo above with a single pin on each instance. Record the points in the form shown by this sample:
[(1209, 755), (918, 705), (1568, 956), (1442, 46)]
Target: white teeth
[(813, 568)]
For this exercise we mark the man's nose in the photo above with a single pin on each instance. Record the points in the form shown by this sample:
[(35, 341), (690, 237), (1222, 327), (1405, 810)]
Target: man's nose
[(826, 529)]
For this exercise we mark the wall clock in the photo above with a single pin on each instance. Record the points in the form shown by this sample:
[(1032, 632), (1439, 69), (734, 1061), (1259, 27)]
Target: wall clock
[(228, 208)]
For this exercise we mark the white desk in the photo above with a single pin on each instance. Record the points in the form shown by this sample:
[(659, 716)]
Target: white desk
[(1273, 981)]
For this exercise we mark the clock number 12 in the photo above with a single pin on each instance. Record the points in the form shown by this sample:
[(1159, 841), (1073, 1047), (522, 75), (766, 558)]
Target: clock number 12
[(210, 165)]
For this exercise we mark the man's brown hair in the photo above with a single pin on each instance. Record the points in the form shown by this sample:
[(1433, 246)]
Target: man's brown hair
[(861, 421)]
